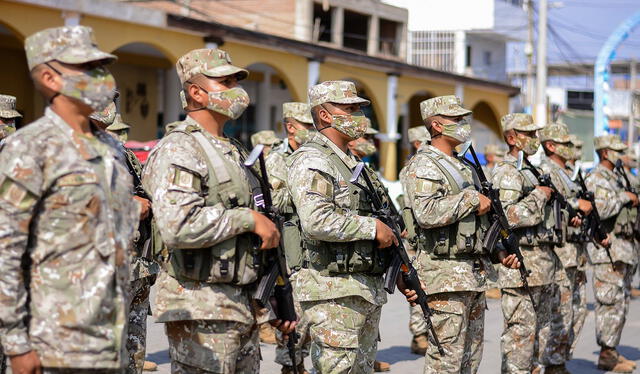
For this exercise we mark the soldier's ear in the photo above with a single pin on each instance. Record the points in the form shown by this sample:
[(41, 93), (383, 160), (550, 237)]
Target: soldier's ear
[(47, 79), (510, 138)]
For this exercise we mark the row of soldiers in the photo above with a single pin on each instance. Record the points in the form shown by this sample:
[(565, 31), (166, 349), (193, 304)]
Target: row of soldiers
[(83, 225)]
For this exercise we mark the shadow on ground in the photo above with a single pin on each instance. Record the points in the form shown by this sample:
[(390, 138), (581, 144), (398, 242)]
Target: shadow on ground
[(397, 353), (160, 357), (582, 366)]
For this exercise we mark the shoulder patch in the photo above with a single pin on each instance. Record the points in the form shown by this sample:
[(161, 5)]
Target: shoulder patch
[(16, 195), (321, 185), (185, 179)]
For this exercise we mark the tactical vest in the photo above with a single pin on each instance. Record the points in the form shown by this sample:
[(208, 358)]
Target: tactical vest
[(236, 260), (351, 257), (462, 239), (623, 224), (543, 233), (573, 234)]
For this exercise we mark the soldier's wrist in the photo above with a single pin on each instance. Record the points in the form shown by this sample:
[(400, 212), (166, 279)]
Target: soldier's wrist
[(16, 344)]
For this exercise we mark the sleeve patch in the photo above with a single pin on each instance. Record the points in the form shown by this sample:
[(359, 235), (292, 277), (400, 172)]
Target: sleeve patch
[(321, 186), (185, 180), (426, 186), (77, 179), (509, 195), (16, 195)]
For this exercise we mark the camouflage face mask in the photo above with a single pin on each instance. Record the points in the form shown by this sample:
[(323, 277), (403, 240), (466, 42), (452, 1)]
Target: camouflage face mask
[(613, 156), (528, 144), (122, 136), (564, 151), (302, 136), (95, 88), (232, 102), (353, 125), (460, 131), (106, 116), (6, 130), (366, 148)]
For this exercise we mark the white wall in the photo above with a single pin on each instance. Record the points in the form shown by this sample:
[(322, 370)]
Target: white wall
[(431, 15), (480, 45), (557, 95)]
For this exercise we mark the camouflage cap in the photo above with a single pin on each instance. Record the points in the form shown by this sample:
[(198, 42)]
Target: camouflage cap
[(371, 131), (609, 141), (298, 111), (8, 107), (339, 92), (418, 133), (631, 152), (68, 44), (558, 132), (492, 149), (442, 105), (118, 124), (573, 139), (518, 121), (266, 137), (210, 62), (107, 115)]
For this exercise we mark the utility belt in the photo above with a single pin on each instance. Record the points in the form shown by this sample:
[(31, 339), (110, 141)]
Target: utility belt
[(330, 258)]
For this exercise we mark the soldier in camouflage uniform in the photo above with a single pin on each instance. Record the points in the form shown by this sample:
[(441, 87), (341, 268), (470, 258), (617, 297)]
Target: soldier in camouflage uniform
[(525, 204), (143, 269), (67, 218), (340, 285), (576, 151), (203, 204), (568, 320), (630, 161), (451, 218), (611, 283), (266, 137), (299, 129), (8, 116), (492, 154)]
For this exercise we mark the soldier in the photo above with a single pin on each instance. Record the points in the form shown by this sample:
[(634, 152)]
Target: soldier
[(630, 161), (492, 154), (576, 151), (203, 208), (266, 137), (417, 136), (525, 204), (299, 129), (340, 285), (67, 218), (445, 204), (143, 269), (568, 320), (362, 147), (8, 116), (611, 283)]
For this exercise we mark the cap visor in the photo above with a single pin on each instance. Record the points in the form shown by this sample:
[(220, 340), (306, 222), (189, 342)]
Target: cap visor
[(77, 56), (460, 111), (226, 70), (10, 114), (352, 100)]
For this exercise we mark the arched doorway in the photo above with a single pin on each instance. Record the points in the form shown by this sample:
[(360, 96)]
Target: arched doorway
[(410, 117), (268, 89), (149, 89), (14, 76), (485, 126)]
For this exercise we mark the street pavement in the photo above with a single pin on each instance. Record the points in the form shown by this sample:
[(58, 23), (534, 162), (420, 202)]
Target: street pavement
[(394, 347)]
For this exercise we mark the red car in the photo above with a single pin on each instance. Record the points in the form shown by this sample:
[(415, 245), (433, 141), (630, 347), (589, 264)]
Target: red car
[(141, 149)]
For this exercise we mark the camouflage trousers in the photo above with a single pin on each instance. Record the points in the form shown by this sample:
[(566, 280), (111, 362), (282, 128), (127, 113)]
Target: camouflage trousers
[(527, 331), (568, 317), (137, 328), (303, 345), (458, 319), (417, 324), (202, 347), (75, 371), (344, 334), (612, 289)]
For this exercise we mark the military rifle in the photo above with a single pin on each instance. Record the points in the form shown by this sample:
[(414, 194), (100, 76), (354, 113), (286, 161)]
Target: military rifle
[(594, 227), (400, 262), (145, 226), (500, 228), (276, 279), (629, 188)]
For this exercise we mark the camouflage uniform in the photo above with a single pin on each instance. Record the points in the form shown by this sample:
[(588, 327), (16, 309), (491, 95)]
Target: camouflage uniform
[(8, 114), (67, 219), (209, 317), (571, 278), (443, 199), (277, 168), (525, 208), (265, 137), (342, 304), (611, 286)]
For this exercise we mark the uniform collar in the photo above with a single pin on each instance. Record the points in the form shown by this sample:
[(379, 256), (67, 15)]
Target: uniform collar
[(84, 147), (347, 158)]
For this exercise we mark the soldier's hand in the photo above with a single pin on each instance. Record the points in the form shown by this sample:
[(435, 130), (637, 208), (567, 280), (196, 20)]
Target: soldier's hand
[(633, 197), (585, 206), (27, 363), (145, 207), (547, 191), (485, 205), (266, 230), (575, 222), (384, 235), (606, 241), (509, 261), (286, 327), (411, 295)]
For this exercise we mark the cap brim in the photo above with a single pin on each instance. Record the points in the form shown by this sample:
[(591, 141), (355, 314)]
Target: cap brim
[(460, 111), (227, 70), (10, 114), (352, 100), (618, 146), (304, 119), (77, 56)]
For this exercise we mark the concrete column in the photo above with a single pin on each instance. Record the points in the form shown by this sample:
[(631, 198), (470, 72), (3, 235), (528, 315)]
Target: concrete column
[(404, 47), (460, 47), (337, 26), (391, 135), (460, 91), (373, 35), (171, 92), (262, 105), (313, 73), (303, 27), (71, 18), (404, 111)]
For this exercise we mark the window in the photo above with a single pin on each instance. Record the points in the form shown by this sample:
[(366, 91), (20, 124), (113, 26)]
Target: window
[(321, 23), (582, 100), (487, 58), (355, 31), (433, 49), (388, 44)]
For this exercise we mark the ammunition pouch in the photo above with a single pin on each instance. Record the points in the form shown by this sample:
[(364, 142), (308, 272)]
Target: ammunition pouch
[(344, 258)]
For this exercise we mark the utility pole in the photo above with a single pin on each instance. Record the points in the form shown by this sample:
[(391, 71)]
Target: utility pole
[(528, 50), (541, 74), (632, 88)]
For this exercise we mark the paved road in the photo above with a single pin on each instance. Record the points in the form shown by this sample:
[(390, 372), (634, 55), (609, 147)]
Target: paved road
[(396, 338)]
